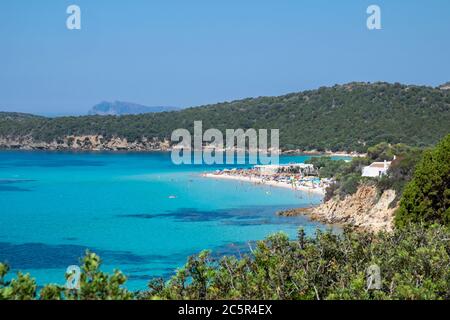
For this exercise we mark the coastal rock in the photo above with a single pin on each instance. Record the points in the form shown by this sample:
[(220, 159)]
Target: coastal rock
[(364, 210), (85, 143), (295, 212)]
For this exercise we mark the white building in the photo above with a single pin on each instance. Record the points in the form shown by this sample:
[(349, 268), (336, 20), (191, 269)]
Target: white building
[(376, 169)]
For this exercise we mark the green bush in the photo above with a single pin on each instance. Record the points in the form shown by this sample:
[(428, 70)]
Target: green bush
[(386, 151), (328, 168), (413, 262), (347, 175), (426, 198), (349, 184)]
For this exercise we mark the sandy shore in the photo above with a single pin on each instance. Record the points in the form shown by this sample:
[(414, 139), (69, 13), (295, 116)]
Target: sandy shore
[(323, 153), (260, 181)]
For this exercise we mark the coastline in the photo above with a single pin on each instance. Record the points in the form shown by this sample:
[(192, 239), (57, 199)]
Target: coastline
[(365, 210), (259, 181), (323, 153), (98, 143)]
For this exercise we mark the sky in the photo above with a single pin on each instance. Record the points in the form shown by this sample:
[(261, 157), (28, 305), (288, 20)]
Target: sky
[(188, 53)]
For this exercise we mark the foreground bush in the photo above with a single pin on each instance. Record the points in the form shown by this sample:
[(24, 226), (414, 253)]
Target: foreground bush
[(414, 264)]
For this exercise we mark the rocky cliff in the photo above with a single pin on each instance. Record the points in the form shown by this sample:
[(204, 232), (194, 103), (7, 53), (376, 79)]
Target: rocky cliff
[(365, 209), (85, 143)]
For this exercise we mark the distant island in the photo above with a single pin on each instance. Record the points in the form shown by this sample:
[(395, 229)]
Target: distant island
[(120, 108)]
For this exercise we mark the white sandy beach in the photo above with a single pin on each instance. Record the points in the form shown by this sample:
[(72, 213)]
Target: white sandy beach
[(257, 180)]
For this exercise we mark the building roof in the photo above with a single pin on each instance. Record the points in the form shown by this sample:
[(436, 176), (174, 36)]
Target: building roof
[(379, 164)]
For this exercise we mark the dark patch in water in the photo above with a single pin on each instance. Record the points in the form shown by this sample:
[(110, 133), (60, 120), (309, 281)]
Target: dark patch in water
[(60, 163), (250, 222), (142, 277), (187, 215), (247, 216), (165, 273), (195, 215), (42, 256), (138, 216), (11, 181), (70, 239), (13, 189), (9, 185), (137, 270), (237, 249)]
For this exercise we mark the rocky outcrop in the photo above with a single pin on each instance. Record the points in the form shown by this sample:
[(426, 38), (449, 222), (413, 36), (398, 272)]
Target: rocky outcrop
[(295, 212), (365, 210), (85, 143)]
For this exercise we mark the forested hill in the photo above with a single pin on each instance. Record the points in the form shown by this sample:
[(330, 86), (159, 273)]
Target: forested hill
[(17, 116), (347, 117)]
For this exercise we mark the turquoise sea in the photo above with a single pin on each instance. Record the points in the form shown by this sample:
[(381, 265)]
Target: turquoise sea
[(138, 211)]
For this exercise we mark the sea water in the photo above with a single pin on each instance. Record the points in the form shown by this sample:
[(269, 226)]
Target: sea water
[(138, 211)]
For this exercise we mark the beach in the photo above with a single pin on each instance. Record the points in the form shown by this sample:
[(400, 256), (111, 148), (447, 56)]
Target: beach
[(262, 181)]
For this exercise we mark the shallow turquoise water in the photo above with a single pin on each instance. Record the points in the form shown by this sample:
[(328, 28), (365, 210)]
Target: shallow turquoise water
[(140, 212)]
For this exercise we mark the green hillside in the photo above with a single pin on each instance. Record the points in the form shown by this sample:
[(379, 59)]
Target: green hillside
[(347, 117), (17, 116)]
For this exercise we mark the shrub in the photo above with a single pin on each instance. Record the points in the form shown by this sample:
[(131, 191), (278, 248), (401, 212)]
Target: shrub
[(426, 197)]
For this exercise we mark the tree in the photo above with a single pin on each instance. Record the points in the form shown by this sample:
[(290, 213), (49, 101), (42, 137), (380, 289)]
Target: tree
[(426, 197), (21, 288)]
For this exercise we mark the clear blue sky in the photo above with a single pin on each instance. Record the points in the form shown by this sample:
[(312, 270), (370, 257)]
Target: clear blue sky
[(186, 53)]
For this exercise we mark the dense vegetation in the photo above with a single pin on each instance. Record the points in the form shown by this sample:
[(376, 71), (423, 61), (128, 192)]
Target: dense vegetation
[(421, 179), (348, 117), (413, 262), (426, 198), (347, 175)]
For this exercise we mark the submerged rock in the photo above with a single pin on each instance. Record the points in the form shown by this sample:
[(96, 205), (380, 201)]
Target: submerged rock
[(295, 212)]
